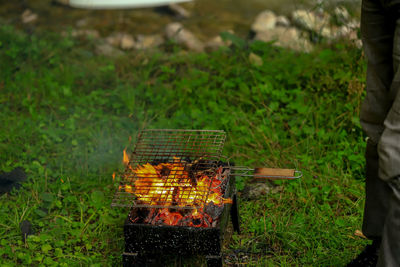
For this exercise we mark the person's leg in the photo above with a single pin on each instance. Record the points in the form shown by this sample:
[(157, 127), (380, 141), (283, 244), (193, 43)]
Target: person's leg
[(377, 193), (377, 34), (377, 29), (389, 255), (389, 162)]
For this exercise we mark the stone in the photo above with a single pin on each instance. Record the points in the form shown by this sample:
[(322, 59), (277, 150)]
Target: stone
[(28, 16), (148, 41), (308, 20), (82, 23), (114, 39), (288, 37), (341, 15), (122, 40), (282, 21), (255, 60), (264, 21), (354, 24), (87, 33), (179, 11), (254, 190), (348, 33), (127, 42), (176, 31), (105, 49), (216, 43)]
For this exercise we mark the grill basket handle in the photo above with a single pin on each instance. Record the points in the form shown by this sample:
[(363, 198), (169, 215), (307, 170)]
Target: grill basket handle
[(271, 173), (266, 173)]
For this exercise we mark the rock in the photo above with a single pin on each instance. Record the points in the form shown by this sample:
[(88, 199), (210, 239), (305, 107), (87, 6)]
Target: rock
[(255, 190), (108, 50), (114, 39), (148, 41), (216, 43), (308, 20), (127, 42), (176, 31), (348, 33), (179, 11), (28, 16), (82, 23), (264, 21), (255, 60), (122, 40), (354, 24), (341, 15), (282, 21), (343, 32), (285, 37), (87, 33)]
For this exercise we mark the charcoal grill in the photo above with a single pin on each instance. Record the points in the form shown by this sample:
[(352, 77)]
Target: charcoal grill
[(181, 172)]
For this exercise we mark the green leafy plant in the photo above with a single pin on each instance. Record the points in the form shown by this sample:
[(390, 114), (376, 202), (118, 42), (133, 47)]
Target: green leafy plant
[(66, 116)]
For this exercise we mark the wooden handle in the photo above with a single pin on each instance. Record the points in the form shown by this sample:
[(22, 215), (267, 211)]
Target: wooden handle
[(271, 173)]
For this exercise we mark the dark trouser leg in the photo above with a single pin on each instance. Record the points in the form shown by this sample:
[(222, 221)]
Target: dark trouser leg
[(389, 163), (377, 32), (376, 197), (390, 248), (380, 118)]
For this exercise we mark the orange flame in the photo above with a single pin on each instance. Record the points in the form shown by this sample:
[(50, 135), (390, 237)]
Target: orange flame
[(169, 184), (125, 159)]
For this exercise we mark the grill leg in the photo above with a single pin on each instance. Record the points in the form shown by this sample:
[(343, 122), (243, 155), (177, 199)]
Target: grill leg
[(214, 261), (235, 215), (137, 260)]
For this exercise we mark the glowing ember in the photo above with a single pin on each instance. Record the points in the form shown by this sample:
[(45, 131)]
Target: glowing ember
[(175, 185)]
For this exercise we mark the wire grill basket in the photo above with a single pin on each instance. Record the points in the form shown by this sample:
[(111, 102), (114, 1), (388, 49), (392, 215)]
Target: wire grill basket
[(172, 168)]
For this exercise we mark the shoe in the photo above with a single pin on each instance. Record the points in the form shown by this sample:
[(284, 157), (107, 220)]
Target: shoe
[(368, 257)]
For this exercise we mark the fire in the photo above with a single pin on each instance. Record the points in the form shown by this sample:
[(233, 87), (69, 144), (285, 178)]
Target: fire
[(126, 158), (172, 185)]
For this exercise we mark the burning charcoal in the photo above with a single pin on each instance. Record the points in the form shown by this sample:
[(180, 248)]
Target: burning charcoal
[(175, 196), (196, 222), (151, 216), (157, 161), (193, 180), (138, 214), (133, 219), (185, 220), (165, 171), (213, 210)]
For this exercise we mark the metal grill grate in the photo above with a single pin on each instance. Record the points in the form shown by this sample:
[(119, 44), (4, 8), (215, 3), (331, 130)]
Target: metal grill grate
[(169, 168)]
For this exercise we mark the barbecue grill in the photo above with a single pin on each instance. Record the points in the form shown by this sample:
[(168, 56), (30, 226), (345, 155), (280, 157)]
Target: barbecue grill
[(180, 191)]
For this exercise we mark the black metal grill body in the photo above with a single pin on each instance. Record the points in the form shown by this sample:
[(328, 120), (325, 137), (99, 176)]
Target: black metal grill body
[(145, 243)]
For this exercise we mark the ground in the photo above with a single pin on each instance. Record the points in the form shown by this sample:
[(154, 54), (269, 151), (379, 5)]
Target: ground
[(67, 114)]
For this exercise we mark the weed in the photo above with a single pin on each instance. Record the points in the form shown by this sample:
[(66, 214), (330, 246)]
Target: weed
[(66, 117)]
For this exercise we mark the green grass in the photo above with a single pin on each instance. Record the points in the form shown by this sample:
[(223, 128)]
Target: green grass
[(66, 115)]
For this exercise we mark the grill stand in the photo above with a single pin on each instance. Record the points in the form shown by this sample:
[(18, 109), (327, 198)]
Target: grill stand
[(144, 244)]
